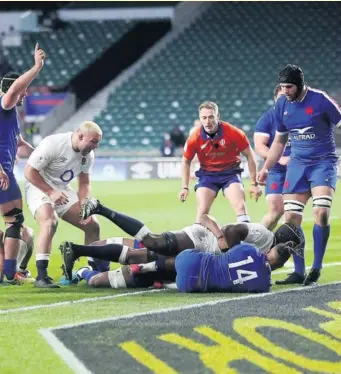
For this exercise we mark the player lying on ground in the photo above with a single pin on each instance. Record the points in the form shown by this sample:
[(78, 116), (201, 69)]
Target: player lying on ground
[(243, 268), (24, 255), (205, 236)]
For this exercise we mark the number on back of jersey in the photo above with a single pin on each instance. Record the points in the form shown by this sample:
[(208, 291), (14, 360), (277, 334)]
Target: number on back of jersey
[(242, 273)]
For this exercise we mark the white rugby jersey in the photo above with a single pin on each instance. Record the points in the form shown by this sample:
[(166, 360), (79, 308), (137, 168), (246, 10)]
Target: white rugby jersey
[(259, 236), (205, 241), (57, 162)]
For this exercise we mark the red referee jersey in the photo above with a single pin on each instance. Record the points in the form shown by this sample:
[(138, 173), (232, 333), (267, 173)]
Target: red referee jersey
[(221, 152)]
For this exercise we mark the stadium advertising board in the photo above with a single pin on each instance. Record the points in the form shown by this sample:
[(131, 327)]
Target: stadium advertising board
[(36, 105), (109, 169)]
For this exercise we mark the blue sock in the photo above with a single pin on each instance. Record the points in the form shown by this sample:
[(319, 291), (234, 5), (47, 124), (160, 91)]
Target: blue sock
[(299, 262), (100, 265), (160, 263), (321, 236), (88, 274), (10, 267)]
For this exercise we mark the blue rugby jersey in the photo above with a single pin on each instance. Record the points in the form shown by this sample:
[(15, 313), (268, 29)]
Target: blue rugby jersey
[(310, 124), (9, 134), (244, 268), (266, 125)]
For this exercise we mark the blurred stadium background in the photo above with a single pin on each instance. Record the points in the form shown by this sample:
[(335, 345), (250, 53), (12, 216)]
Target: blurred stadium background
[(140, 69)]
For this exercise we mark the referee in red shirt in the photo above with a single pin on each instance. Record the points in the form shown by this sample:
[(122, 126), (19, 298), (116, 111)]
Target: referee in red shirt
[(218, 145)]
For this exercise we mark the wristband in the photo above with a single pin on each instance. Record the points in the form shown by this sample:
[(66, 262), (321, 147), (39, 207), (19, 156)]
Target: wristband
[(185, 188)]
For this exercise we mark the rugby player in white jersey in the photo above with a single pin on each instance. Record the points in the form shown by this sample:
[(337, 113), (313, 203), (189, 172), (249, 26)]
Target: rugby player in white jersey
[(52, 166)]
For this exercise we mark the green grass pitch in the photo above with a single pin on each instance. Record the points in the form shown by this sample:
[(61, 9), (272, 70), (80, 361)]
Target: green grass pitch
[(156, 204)]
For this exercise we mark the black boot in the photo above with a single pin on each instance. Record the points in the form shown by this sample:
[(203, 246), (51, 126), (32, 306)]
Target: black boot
[(312, 278), (293, 278)]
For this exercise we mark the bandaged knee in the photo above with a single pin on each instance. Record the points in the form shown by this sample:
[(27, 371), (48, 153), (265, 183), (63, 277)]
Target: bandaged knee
[(323, 201), (294, 206), (14, 220)]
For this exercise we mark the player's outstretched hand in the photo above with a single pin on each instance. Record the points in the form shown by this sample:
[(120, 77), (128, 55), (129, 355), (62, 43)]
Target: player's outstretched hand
[(59, 198), (183, 194), (255, 192), (4, 180), (261, 176), (39, 57)]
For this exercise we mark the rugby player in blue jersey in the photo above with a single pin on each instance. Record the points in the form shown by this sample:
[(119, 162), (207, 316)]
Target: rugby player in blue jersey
[(264, 135), (309, 116), (13, 90), (265, 131)]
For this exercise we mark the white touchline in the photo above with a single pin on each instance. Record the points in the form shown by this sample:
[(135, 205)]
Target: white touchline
[(71, 302), (66, 354), (75, 364), (109, 297)]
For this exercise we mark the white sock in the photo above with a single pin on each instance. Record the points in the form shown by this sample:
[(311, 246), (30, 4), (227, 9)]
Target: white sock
[(243, 218), (116, 279), (21, 254), (42, 256), (123, 256), (149, 267), (144, 230)]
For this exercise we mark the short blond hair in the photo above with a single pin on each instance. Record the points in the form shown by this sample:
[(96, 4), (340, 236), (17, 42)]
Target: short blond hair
[(89, 126), (209, 105)]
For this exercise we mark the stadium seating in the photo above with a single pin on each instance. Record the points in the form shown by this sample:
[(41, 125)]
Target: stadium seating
[(230, 55), (70, 49)]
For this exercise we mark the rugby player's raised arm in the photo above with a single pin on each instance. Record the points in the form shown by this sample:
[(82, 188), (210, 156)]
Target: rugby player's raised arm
[(19, 87)]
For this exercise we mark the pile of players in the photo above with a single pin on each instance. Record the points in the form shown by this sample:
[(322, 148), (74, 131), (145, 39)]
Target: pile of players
[(205, 256)]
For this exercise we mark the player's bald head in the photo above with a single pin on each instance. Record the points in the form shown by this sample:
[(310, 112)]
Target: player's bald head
[(90, 127)]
